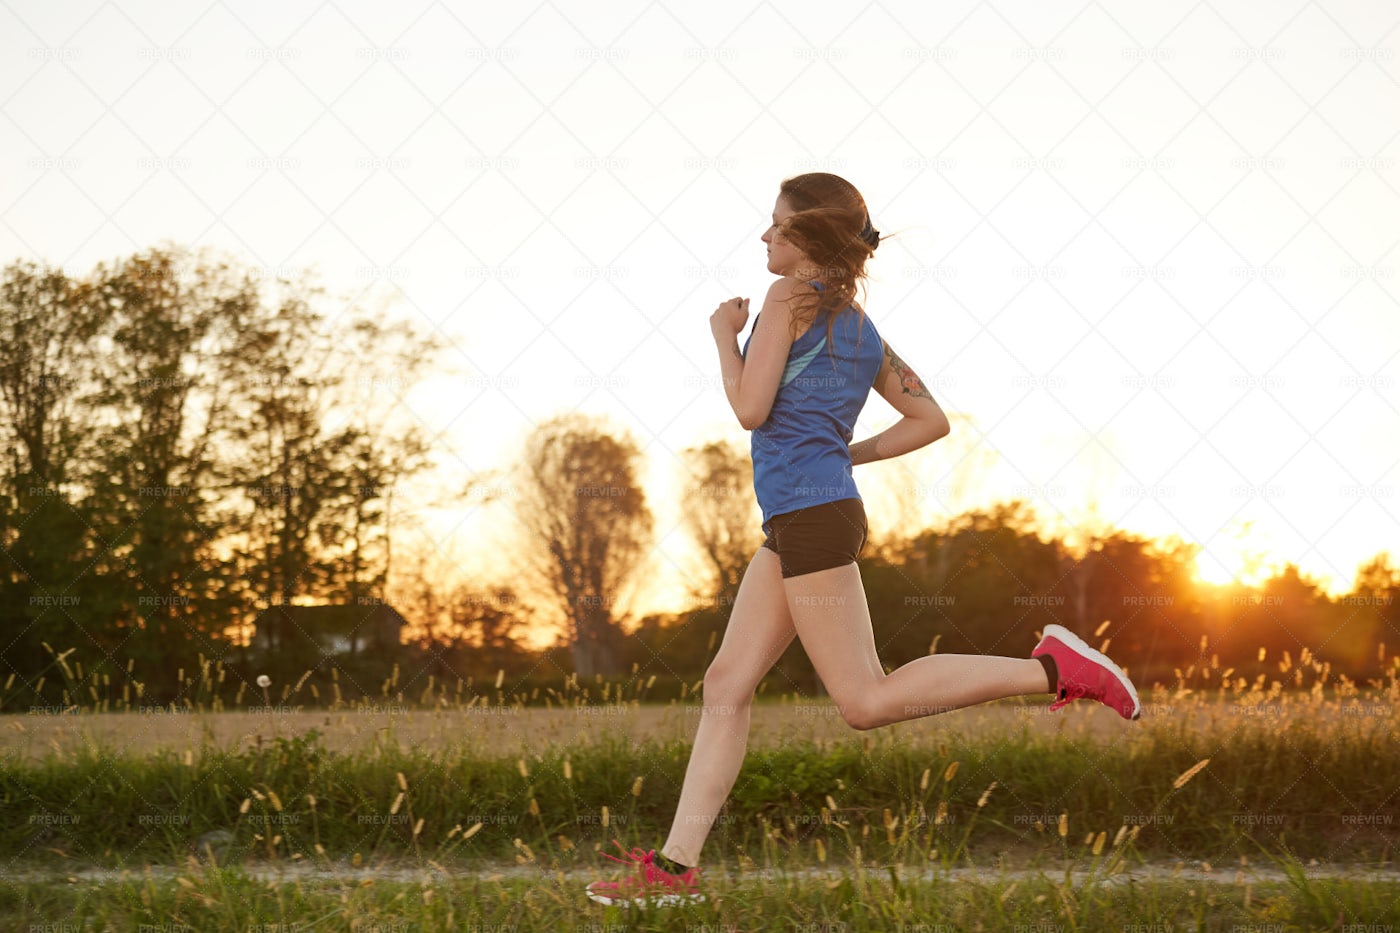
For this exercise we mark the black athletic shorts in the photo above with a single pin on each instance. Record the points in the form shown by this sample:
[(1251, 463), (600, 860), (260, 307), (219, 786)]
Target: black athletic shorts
[(818, 537)]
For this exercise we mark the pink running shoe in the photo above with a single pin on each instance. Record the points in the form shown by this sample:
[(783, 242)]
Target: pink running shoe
[(651, 886), (1086, 674)]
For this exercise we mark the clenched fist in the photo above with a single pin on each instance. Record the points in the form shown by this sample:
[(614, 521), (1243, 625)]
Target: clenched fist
[(728, 319)]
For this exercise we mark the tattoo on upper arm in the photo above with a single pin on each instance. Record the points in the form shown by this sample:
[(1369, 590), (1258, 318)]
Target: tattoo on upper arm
[(908, 380)]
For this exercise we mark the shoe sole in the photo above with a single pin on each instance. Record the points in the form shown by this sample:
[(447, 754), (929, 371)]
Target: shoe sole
[(660, 900), (1071, 640)]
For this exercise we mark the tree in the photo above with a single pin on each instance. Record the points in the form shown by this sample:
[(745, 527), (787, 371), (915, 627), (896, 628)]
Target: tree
[(319, 459), (1143, 588), (587, 528), (172, 326), (382, 361), (1001, 587), (942, 476), (1375, 596), (46, 323), (720, 512)]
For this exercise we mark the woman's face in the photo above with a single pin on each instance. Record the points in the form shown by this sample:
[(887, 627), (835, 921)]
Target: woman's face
[(783, 257)]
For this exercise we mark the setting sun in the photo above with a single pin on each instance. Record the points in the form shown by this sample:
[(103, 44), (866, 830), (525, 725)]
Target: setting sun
[(1243, 556), (1220, 565)]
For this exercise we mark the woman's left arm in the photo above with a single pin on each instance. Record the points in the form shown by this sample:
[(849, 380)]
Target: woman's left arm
[(923, 423)]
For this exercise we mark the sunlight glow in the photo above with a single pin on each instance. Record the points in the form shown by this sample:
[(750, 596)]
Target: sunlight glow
[(1225, 563)]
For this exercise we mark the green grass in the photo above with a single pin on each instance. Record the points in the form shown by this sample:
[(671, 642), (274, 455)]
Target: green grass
[(229, 899)]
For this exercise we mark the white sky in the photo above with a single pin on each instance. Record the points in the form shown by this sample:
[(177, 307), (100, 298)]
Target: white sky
[(1151, 254)]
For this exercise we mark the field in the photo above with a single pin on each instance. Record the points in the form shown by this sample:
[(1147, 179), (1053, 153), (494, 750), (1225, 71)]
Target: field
[(1231, 805)]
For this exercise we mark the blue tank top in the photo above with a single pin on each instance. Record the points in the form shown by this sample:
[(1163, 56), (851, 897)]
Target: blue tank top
[(801, 453)]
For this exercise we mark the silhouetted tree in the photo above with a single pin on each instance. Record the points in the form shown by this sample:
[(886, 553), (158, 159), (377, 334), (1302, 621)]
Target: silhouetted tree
[(719, 510), (587, 528), (1375, 604), (172, 325), (46, 327)]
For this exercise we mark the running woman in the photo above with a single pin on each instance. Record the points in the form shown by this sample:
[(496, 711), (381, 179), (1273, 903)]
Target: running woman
[(798, 385)]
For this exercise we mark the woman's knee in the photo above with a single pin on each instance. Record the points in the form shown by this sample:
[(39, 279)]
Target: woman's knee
[(725, 690), (861, 710)]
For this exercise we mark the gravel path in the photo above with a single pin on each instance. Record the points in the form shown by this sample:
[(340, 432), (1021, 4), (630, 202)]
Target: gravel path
[(288, 873)]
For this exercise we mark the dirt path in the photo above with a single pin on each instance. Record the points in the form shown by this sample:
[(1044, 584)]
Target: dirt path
[(294, 873)]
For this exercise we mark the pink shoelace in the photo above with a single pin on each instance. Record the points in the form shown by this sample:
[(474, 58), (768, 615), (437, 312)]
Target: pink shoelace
[(638, 855), (1075, 692)]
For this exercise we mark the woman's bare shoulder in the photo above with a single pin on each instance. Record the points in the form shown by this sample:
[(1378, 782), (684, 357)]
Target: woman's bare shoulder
[(785, 285), (791, 294)]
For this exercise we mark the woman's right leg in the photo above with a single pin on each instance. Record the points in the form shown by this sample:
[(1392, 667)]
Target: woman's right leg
[(759, 631)]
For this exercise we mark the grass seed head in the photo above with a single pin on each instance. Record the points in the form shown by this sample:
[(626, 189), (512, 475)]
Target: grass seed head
[(1189, 773)]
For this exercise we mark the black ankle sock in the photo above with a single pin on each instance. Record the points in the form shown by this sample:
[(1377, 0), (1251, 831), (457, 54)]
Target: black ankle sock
[(675, 868), (1051, 672)]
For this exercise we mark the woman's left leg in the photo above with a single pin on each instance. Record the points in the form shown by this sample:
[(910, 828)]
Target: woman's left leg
[(832, 620)]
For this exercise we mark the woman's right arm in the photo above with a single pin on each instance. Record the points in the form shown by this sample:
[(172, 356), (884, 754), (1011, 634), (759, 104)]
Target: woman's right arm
[(923, 422)]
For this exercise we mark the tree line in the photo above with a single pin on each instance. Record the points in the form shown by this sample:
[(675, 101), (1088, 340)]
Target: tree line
[(983, 582)]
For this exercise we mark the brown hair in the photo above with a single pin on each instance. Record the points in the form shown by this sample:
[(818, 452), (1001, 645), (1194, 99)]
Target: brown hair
[(831, 225)]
